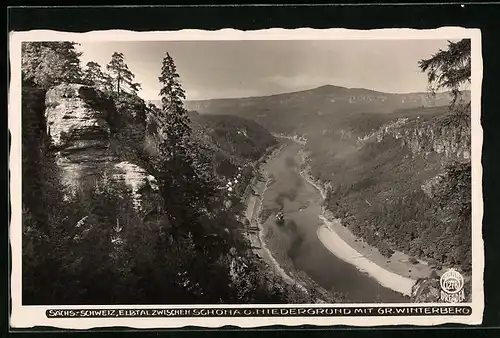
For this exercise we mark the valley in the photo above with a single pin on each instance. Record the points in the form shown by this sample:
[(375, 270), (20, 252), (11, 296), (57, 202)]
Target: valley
[(326, 195), (296, 245), (382, 162)]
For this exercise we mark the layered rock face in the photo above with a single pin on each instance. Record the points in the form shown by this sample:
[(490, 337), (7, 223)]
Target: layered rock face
[(139, 182), (78, 125), (129, 123), (427, 136)]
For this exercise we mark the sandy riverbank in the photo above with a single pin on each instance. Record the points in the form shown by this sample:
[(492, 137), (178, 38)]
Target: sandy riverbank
[(336, 245), (396, 272)]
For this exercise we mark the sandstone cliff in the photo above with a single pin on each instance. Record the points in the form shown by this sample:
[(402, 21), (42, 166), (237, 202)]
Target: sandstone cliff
[(423, 136), (89, 135)]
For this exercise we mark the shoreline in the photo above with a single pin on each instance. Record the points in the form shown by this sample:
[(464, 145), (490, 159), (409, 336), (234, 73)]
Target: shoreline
[(337, 246), (395, 273), (336, 238), (254, 209), (252, 214)]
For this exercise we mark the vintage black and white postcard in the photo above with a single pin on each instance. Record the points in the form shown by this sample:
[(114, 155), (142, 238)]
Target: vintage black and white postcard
[(246, 178)]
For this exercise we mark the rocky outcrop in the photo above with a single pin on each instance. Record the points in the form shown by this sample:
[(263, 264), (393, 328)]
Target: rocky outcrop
[(430, 185), (137, 180), (426, 290), (77, 126), (128, 124), (425, 137), (80, 122), (77, 117), (449, 141)]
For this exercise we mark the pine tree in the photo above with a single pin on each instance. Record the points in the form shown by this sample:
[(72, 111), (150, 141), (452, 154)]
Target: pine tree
[(188, 185), (121, 74), (175, 131), (135, 87), (450, 69), (46, 64), (175, 120), (94, 76)]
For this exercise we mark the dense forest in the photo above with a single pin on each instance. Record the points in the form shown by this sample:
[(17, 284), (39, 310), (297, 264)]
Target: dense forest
[(236, 135), (85, 241)]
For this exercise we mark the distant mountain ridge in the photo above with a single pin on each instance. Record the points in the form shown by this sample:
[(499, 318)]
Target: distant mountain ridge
[(308, 111), (325, 89), (330, 91), (322, 90)]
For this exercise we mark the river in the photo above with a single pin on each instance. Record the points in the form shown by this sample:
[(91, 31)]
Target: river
[(295, 244)]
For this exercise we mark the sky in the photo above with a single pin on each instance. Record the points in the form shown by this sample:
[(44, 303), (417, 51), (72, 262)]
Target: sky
[(228, 69)]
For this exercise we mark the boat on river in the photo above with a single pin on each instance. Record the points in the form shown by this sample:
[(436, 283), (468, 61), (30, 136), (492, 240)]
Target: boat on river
[(280, 217)]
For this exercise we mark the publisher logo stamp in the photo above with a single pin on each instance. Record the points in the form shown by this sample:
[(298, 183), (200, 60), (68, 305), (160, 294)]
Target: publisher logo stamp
[(452, 287)]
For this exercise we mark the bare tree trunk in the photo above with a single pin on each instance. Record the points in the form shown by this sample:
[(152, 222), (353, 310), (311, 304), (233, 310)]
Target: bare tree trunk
[(118, 83)]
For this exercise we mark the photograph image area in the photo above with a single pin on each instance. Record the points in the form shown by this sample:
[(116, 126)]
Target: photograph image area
[(239, 173)]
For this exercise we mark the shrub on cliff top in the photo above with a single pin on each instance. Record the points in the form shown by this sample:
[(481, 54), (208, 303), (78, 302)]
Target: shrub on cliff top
[(94, 76), (46, 64)]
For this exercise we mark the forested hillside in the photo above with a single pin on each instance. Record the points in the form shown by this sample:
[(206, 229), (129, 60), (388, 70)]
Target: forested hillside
[(407, 188), (125, 202), (239, 137), (236, 143), (405, 182)]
